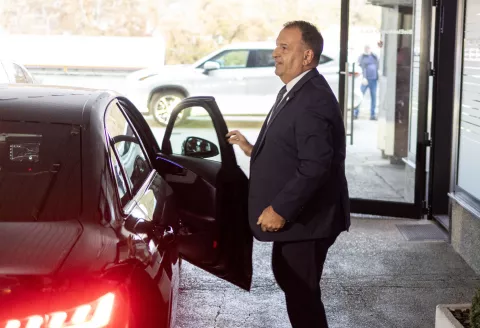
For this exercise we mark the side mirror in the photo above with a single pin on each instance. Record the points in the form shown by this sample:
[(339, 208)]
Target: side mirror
[(211, 66), (199, 148)]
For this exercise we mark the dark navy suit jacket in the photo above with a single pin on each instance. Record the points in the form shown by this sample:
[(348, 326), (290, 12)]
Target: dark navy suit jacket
[(298, 165)]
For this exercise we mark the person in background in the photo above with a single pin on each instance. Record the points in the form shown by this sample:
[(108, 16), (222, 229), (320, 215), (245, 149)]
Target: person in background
[(368, 61)]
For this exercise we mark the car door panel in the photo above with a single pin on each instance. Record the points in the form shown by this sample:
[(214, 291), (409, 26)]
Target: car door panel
[(232, 258), (212, 202), (196, 197), (155, 200)]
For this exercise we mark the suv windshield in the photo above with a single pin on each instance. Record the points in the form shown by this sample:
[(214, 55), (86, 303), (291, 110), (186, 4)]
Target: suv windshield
[(39, 171)]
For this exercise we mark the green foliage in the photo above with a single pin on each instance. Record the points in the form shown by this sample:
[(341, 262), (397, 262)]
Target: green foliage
[(475, 311)]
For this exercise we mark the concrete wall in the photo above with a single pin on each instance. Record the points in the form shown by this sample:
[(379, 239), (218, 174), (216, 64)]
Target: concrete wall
[(465, 235)]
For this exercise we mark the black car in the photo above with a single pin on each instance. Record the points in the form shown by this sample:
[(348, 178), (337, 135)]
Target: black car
[(95, 216)]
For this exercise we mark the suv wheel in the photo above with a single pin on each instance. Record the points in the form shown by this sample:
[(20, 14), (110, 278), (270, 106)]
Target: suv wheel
[(162, 104)]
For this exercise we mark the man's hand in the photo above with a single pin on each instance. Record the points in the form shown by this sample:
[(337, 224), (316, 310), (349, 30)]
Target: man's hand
[(236, 138), (270, 220)]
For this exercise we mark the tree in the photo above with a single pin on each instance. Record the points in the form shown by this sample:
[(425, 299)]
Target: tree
[(192, 28)]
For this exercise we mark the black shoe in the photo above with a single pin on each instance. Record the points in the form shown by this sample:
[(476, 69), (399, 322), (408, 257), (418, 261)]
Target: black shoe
[(373, 118)]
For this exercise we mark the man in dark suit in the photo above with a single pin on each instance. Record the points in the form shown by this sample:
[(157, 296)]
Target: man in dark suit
[(298, 194)]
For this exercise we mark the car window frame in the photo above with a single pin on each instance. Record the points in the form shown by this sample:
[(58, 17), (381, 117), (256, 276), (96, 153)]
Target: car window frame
[(111, 144), (216, 142), (111, 151)]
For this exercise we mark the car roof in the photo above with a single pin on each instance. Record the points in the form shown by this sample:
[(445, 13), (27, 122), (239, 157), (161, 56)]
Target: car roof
[(248, 45), (40, 103)]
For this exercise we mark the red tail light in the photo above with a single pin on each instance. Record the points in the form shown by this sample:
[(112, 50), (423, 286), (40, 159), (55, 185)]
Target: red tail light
[(96, 314)]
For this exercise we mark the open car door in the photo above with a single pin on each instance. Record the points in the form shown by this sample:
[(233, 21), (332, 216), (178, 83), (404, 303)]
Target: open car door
[(211, 192)]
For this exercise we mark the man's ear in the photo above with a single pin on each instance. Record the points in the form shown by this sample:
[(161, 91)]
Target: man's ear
[(308, 57)]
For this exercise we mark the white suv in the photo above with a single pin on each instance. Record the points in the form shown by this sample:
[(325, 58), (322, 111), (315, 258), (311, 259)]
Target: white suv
[(240, 76)]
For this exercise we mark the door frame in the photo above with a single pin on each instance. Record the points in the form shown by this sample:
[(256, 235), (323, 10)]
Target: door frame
[(419, 207), (232, 241)]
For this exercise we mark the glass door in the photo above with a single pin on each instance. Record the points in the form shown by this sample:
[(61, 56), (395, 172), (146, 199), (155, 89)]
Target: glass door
[(383, 93)]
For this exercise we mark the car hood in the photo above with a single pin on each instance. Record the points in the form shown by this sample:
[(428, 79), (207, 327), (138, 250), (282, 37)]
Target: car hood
[(165, 73), (155, 71), (36, 248)]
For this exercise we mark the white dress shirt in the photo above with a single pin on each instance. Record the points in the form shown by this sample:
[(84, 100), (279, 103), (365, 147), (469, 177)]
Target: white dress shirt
[(292, 83)]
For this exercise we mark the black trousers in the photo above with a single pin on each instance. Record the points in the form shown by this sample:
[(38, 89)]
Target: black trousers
[(298, 267)]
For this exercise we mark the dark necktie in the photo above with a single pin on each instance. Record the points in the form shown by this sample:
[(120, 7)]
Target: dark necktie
[(275, 107)]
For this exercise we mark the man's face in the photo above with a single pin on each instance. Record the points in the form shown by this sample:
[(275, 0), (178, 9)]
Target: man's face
[(291, 55), (367, 50)]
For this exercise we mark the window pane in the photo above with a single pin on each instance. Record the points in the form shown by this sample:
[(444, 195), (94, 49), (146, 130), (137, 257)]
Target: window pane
[(127, 145), (39, 172), (469, 148), (232, 59), (119, 179), (377, 101), (264, 58), (191, 137)]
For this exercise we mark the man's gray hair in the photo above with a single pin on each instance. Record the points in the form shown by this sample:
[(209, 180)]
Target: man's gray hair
[(310, 36)]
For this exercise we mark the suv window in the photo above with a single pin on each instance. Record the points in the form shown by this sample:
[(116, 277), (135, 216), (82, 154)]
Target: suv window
[(232, 59), (40, 167), (263, 58), (128, 148)]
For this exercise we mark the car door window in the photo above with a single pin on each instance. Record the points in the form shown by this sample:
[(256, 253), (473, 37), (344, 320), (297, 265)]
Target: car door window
[(119, 178), (232, 59), (127, 145), (263, 58), (198, 138), (19, 75)]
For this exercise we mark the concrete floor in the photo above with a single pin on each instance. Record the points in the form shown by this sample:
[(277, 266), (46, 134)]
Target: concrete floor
[(373, 278)]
